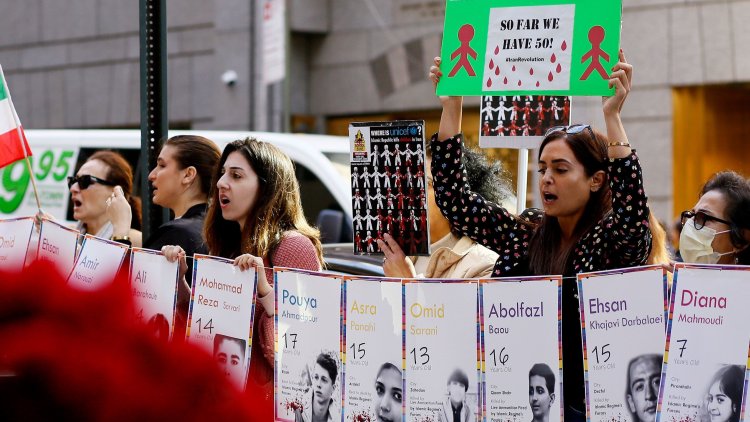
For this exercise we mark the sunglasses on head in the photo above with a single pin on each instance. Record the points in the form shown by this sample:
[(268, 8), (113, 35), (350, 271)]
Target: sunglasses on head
[(700, 218), (85, 180), (570, 130)]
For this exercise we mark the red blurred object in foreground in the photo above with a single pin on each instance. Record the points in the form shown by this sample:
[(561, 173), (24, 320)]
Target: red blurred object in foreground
[(70, 355)]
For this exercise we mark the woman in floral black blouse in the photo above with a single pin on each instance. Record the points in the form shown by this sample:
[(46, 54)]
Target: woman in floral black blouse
[(594, 217)]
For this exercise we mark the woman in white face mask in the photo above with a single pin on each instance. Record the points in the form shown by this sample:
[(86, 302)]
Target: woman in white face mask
[(717, 229)]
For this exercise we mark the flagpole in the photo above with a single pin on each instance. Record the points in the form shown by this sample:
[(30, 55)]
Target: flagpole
[(21, 139)]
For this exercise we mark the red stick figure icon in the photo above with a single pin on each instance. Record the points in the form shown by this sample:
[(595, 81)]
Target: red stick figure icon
[(596, 36), (465, 35)]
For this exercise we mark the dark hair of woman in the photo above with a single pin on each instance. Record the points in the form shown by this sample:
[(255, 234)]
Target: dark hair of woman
[(277, 209), (547, 254), (199, 152)]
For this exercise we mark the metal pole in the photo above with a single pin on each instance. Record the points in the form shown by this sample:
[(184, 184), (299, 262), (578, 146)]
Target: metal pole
[(154, 117)]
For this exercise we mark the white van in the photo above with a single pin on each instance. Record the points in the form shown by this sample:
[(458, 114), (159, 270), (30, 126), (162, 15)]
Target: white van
[(322, 166)]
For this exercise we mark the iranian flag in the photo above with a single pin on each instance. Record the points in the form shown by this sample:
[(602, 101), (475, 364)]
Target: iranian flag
[(13, 144)]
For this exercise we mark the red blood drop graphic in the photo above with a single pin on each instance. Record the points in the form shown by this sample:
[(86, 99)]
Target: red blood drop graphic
[(559, 68), (519, 82), (537, 84), (514, 68), (492, 64), (553, 58), (505, 81), (497, 49), (564, 46), (550, 77), (531, 71), (489, 82), (497, 71)]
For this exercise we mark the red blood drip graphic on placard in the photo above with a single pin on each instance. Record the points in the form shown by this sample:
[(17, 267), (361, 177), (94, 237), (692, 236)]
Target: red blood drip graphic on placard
[(497, 50), (559, 68), (550, 77), (505, 81), (531, 71), (564, 46), (489, 82), (465, 35), (519, 82), (514, 68), (553, 58), (537, 84), (497, 71), (596, 36), (492, 64)]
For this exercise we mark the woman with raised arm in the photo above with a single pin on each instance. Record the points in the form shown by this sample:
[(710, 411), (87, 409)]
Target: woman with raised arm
[(594, 216)]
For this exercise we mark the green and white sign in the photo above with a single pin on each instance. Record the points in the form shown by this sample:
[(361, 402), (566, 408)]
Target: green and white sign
[(551, 47)]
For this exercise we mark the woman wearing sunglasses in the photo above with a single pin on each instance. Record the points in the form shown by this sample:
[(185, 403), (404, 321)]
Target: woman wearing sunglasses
[(594, 217), (106, 178), (717, 229)]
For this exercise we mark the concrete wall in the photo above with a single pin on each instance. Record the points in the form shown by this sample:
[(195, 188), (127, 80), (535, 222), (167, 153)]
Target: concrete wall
[(74, 63)]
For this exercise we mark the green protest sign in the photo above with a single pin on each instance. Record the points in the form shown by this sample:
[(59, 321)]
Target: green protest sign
[(551, 47)]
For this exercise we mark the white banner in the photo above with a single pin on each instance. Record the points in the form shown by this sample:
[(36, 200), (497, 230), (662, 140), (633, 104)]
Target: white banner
[(308, 346), (14, 242), (58, 244), (221, 314), (373, 354), (153, 281), (707, 344), (623, 319), (97, 264), (441, 350), (274, 40), (522, 378)]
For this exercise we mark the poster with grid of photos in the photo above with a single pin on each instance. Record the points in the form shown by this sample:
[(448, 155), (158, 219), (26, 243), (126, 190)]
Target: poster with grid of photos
[(520, 121), (389, 186)]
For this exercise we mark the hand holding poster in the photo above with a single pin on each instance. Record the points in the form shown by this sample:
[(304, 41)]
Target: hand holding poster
[(58, 244), (308, 346), (97, 264), (556, 48), (623, 314), (154, 285), (441, 354), (373, 353), (221, 314), (14, 242), (522, 378), (707, 344), (389, 186)]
